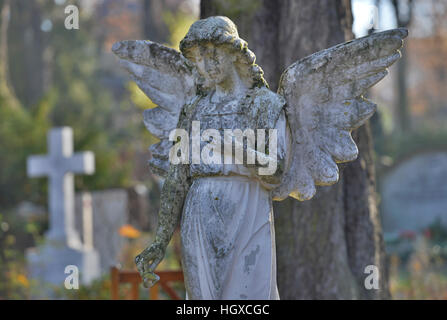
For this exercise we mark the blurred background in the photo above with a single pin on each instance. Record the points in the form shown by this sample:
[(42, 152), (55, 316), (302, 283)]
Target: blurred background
[(51, 77)]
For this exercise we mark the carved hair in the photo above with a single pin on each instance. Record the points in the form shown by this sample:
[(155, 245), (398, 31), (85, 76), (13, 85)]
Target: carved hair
[(222, 32)]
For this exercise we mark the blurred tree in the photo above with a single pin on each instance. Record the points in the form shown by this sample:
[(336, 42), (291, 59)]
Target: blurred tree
[(64, 78), (157, 18), (100, 121), (19, 129), (323, 245), (26, 45), (6, 89), (76, 96), (154, 27)]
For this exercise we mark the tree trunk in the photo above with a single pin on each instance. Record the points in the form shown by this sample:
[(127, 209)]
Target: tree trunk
[(25, 49), (154, 28), (7, 95), (323, 245), (403, 115)]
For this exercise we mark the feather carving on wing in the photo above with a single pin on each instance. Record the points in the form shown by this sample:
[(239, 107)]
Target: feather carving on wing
[(325, 103), (166, 77)]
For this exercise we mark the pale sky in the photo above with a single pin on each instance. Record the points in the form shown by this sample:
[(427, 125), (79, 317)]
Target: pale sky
[(366, 14)]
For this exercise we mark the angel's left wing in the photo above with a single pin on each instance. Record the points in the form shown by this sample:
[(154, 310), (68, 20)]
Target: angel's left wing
[(324, 104), (166, 77)]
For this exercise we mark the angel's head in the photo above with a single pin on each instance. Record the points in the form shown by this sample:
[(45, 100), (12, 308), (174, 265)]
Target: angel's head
[(220, 56)]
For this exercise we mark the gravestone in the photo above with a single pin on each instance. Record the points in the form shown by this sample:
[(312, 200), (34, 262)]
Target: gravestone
[(144, 204), (99, 215), (414, 194), (62, 245)]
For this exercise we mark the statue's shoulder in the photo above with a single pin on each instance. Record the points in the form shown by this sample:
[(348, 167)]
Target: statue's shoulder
[(266, 104), (264, 94)]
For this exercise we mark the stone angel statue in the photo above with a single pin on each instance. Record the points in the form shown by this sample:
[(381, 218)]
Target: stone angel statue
[(224, 207)]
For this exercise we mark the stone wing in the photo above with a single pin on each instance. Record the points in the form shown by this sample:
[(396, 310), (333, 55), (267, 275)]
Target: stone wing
[(325, 103), (166, 77)]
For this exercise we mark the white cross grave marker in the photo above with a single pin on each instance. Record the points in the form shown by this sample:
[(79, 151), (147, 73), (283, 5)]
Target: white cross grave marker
[(60, 165)]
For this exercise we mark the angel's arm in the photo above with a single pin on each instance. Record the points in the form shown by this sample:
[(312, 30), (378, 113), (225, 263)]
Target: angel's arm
[(166, 77), (173, 195), (269, 161)]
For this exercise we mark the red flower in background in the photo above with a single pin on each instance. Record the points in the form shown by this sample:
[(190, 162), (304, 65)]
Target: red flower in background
[(408, 234)]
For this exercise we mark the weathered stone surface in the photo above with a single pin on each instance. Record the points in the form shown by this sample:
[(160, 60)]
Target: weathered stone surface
[(99, 215), (323, 93), (167, 78), (59, 166), (63, 245), (324, 104)]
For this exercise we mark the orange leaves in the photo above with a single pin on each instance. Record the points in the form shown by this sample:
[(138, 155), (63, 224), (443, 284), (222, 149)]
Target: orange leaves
[(129, 231)]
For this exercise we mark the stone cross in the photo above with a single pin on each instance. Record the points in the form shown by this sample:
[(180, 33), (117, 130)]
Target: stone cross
[(60, 165)]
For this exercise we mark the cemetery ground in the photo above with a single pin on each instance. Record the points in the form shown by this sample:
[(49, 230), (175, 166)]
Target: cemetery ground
[(417, 272), (417, 258), (19, 233)]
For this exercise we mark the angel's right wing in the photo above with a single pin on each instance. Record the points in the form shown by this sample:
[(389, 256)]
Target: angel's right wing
[(166, 77), (325, 103)]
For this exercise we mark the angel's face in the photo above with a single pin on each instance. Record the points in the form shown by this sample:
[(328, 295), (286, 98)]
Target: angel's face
[(213, 64)]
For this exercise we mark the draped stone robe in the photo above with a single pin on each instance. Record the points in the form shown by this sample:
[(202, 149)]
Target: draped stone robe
[(227, 230)]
